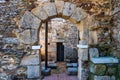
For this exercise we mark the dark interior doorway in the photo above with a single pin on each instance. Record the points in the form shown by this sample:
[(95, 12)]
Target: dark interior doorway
[(60, 51)]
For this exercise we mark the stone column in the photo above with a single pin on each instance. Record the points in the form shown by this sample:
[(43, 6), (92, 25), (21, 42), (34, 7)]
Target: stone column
[(83, 61), (83, 50)]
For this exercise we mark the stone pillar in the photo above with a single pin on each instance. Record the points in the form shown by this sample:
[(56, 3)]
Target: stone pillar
[(83, 62), (83, 51), (32, 62)]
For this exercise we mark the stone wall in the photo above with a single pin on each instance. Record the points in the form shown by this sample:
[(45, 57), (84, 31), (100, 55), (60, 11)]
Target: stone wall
[(11, 52)]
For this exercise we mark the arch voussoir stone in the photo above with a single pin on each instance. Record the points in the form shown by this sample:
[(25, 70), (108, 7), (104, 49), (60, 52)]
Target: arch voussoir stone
[(50, 9), (59, 6), (78, 15), (29, 21), (68, 10), (28, 36), (40, 13)]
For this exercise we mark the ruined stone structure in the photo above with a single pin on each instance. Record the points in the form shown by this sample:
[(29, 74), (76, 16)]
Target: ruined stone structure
[(97, 21)]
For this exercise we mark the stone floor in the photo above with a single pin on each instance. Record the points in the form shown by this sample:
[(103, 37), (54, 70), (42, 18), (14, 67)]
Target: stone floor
[(60, 73), (62, 76)]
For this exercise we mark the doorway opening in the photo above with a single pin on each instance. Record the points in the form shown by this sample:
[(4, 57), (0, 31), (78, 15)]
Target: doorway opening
[(60, 52)]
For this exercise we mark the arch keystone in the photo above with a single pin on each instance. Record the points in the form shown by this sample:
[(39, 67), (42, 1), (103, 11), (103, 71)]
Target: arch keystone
[(59, 6), (50, 9)]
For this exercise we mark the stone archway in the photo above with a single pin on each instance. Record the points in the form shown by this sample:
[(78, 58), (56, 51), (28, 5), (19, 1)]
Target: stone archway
[(31, 22)]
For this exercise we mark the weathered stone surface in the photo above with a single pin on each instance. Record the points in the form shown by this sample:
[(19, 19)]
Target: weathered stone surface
[(104, 78), (72, 71), (98, 69), (33, 72), (28, 36), (46, 72), (4, 76), (68, 9), (93, 37), (112, 71), (83, 54), (83, 73), (93, 52), (50, 9), (103, 60), (59, 5), (29, 21), (83, 42), (11, 40), (78, 15), (30, 60), (21, 70), (40, 13)]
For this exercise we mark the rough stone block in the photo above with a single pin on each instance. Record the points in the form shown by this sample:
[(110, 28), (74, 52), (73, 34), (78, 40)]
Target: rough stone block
[(78, 15), (50, 9), (104, 78), (72, 71), (28, 36), (83, 54), (52, 65), (98, 69), (33, 72), (93, 37), (68, 9), (93, 52), (40, 13), (11, 40), (46, 72), (30, 60), (59, 5), (29, 21)]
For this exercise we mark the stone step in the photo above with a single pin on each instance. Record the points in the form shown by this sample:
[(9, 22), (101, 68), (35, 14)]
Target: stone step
[(72, 71), (72, 65), (52, 65)]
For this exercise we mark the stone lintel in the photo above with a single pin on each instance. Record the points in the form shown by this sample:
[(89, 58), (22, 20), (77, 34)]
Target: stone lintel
[(82, 46), (104, 60)]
